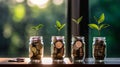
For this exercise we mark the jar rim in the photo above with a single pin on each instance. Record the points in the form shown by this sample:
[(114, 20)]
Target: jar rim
[(99, 38)]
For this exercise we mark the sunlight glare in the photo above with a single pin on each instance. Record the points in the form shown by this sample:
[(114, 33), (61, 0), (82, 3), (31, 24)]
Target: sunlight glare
[(46, 60)]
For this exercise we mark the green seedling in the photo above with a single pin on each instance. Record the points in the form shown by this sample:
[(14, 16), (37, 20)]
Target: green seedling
[(99, 26), (59, 26), (77, 20), (37, 28)]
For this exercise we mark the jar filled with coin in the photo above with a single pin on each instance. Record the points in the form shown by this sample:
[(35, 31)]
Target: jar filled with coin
[(99, 49), (36, 48), (78, 49), (57, 48)]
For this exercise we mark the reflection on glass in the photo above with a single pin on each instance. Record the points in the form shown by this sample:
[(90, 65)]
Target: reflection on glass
[(96, 62), (48, 60)]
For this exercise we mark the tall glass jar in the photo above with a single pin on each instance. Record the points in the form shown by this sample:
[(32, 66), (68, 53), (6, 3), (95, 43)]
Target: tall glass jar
[(36, 48), (99, 49), (57, 48), (78, 49)]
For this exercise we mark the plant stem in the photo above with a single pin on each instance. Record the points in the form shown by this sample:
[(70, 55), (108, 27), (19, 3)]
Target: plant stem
[(98, 32), (36, 32), (58, 32)]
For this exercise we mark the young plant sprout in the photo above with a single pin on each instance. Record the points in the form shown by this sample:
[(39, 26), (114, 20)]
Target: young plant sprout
[(37, 28), (99, 26), (77, 20), (59, 26)]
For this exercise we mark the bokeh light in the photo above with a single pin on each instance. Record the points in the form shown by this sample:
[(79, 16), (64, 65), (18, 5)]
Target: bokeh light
[(19, 13), (16, 40), (39, 3), (58, 2), (7, 30)]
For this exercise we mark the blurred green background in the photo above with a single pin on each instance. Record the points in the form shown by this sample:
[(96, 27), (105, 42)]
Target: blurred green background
[(111, 9), (17, 18)]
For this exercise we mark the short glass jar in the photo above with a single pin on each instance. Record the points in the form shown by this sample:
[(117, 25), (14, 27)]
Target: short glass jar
[(57, 48), (78, 49), (36, 48), (99, 49)]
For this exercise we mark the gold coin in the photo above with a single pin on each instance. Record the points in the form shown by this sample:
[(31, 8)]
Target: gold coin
[(58, 45), (34, 49), (77, 45)]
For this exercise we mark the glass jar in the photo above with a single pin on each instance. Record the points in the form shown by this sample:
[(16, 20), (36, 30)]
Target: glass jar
[(57, 48), (78, 49), (99, 49), (36, 48)]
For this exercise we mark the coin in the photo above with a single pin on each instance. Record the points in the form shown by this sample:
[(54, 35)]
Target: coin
[(59, 45), (34, 49), (77, 45)]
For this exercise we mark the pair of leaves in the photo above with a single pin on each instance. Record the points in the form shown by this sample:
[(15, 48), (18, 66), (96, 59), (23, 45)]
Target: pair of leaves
[(95, 26), (77, 20), (38, 27), (59, 26)]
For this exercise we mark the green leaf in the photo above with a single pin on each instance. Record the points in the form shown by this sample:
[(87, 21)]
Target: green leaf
[(74, 20), (39, 26), (93, 26), (58, 24), (62, 26), (79, 19), (34, 27), (104, 26), (101, 18)]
